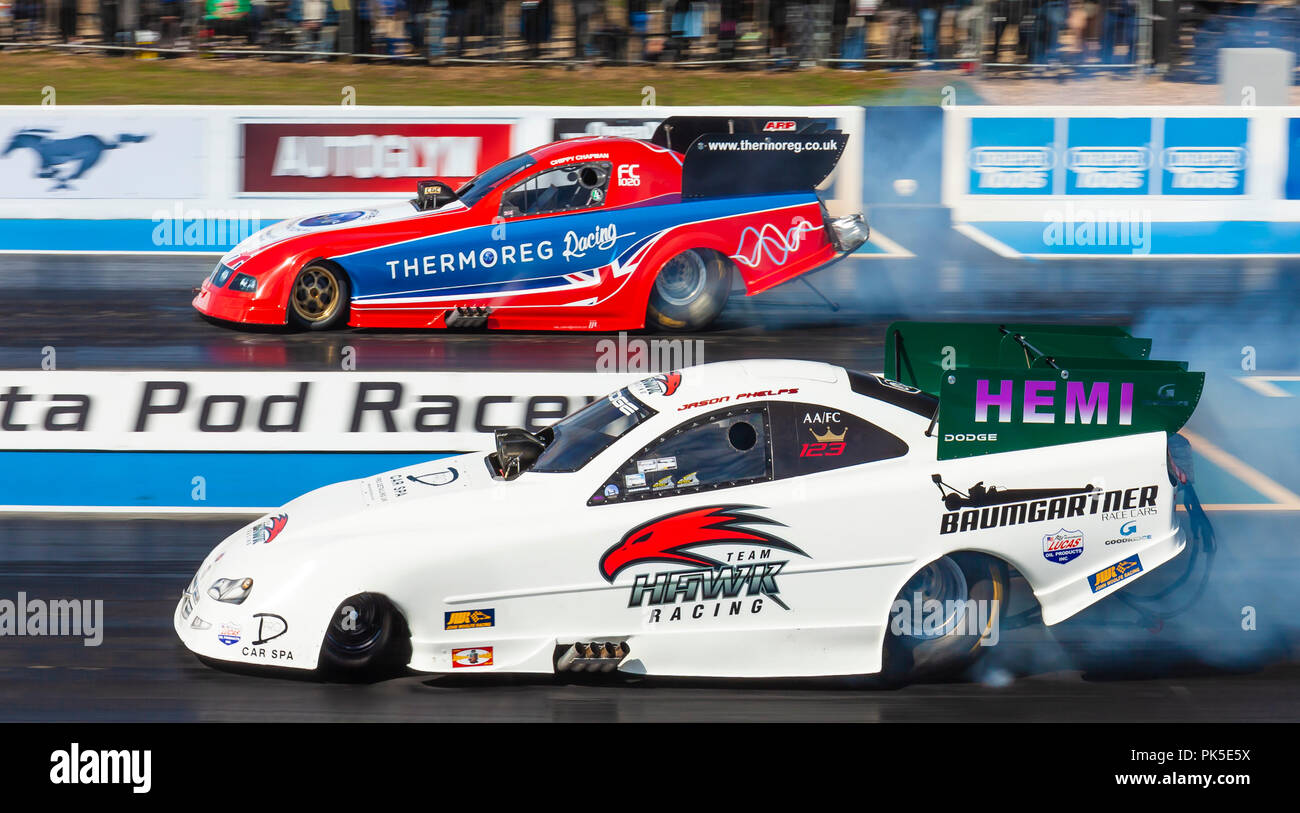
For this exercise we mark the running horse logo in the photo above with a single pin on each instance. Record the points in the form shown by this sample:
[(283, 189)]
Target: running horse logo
[(66, 159)]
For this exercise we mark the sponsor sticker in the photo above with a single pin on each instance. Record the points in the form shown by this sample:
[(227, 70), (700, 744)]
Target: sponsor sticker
[(629, 175), (1128, 532), (471, 656), (269, 627), (268, 529), (661, 384), (691, 479), (634, 481), (228, 634), (611, 490), (663, 483), (1063, 546), (435, 478), (1115, 574), (656, 464), (469, 619)]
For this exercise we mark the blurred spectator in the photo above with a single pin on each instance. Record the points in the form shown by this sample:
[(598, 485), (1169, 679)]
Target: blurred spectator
[(257, 15), (170, 15), (309, 18), (638, 27), (458, 23), (776, 27), (729, 15), (436, 27), (927, 14), (535, 20), (1085, 28), (583, 11), (361, 27), (969, 28), (899, 29), (1118, 28), (27, 18), (416, 14), (107, 21), (799, 31), (1044, 32), (67, 20)]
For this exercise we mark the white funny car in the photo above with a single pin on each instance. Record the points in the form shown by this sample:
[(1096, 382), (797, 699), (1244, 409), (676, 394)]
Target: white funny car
[(747, 518)]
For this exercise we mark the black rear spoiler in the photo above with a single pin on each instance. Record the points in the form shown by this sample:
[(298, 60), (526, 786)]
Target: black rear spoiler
[(726, 157)]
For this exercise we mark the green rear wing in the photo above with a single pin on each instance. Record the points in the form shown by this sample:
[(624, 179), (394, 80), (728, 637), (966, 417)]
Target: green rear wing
[(1008, 387)]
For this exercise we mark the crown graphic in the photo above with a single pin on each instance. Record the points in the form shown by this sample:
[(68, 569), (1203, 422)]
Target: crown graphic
[(829, 437)]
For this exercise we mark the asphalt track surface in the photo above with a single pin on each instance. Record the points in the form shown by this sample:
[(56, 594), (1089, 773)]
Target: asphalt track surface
[(110, 312)]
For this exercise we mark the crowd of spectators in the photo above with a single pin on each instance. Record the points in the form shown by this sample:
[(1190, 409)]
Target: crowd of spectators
[(843, 33)]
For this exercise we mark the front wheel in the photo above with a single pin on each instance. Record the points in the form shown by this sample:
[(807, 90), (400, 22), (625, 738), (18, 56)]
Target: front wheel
[(941, 616), (319, 297), (690, 291), (366, 640)]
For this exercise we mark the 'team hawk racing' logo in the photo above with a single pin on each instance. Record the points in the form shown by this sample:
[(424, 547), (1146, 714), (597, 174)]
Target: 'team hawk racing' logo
[(661, 384), (676, 539), (268, 529)]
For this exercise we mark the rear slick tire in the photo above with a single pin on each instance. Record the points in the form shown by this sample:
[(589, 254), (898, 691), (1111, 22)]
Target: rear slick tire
[(955, 646), (689, 291)]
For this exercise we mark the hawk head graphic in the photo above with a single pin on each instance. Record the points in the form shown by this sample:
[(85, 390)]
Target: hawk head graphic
[(669, 381), (269, 528), (672, 537)]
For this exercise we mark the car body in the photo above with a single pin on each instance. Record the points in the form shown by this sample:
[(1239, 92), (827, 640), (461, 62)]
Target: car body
[(745, 519), (589, 233)]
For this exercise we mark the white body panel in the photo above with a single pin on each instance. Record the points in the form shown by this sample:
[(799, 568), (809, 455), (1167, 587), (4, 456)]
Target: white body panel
[(529, 551)]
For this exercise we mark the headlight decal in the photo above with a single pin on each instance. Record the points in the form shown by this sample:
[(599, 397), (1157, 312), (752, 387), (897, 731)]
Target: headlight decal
[(231, 591)]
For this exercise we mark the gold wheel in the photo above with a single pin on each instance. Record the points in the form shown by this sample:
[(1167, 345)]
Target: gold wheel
[(317, 295)]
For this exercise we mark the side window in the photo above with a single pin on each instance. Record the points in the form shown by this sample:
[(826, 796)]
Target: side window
[(728, 447), (808, 438), (564, 189)]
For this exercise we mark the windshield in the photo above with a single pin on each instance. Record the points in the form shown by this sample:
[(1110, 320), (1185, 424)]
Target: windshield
[(474, 190), (574, 441)]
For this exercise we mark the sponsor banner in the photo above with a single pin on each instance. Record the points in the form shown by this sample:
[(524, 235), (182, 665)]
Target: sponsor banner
[(245, 441), (54, 155), (1293, 159), (1012, 156), (1107, 156), (279, 411), (1175, 181), (309, 157), (1204, 156)]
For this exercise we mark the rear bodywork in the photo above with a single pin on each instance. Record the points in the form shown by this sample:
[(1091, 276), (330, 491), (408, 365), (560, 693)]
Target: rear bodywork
[(586, 268)]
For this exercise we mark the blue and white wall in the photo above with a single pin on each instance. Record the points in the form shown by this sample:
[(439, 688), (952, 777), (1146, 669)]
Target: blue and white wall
[(1124, 181)]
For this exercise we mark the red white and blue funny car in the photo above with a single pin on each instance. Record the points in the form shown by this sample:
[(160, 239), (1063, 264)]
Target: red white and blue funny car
[(599, 233)]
